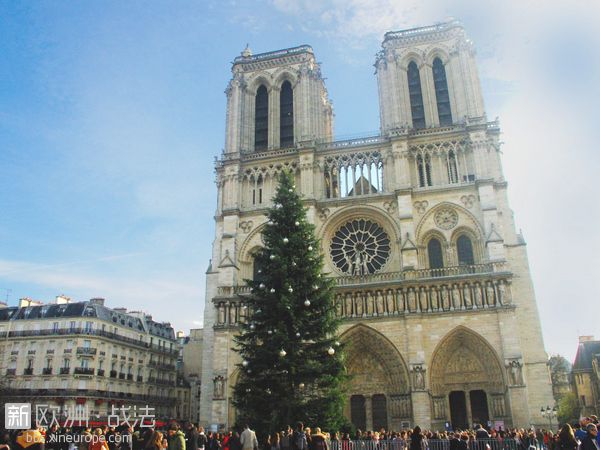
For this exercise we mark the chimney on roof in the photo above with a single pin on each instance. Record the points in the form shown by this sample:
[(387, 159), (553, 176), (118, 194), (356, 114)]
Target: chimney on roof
[(121, 310), (62, 299), (26, 301), (583, 339), (97, 301)]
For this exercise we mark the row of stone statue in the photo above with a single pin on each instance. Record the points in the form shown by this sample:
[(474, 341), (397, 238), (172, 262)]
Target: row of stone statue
[(412, 299), (446, 297)]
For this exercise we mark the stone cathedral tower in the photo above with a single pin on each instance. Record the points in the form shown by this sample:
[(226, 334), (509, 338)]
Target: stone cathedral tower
[(438, 308)]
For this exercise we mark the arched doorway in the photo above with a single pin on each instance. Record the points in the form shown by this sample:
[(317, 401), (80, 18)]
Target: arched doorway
[(379, 392), (465, 375)]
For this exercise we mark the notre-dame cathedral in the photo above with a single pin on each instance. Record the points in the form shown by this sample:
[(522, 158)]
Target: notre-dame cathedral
[(439, 313)]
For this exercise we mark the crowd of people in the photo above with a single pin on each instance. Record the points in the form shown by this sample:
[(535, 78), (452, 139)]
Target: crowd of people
[(582, 436)]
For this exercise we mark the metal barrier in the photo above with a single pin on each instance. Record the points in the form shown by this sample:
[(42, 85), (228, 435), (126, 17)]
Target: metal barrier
[(430, 444)]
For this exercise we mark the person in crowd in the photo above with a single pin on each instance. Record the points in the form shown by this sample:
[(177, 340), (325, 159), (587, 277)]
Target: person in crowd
[(202, 439), (275, 441), (191, 437), (417, 440), (299, 441), (566, 439), (590, 441), (176, 440), (248, 439), (318, 441)]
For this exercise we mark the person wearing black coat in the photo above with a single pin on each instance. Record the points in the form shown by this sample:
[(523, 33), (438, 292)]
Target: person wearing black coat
[(590, 441)]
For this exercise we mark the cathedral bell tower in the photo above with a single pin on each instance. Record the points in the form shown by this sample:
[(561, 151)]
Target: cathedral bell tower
[(276, 100)]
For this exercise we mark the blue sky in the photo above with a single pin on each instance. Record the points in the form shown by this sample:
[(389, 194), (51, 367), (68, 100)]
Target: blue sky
[(111, 114)]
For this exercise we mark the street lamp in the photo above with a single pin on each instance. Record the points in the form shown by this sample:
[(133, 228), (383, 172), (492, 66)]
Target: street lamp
[(549, 413)]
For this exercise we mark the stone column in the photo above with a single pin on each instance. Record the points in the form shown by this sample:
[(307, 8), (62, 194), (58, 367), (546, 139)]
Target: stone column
[(369, 412), (468, 407)]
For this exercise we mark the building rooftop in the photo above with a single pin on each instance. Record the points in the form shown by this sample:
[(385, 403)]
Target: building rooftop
[(585, 353), (92, 309)]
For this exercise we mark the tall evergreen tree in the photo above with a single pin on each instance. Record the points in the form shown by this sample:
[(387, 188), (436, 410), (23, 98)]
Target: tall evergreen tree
[(291, 365)]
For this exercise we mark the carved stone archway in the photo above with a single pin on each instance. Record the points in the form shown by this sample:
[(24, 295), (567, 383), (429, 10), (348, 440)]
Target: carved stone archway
[(464, 362), (377, 369)]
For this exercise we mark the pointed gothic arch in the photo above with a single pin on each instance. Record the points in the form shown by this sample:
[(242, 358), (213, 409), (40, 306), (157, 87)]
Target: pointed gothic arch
[(374, 362), (464, 361), (379, 388)]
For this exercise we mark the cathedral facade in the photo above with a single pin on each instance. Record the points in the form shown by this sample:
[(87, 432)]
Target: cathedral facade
[(438, 310)]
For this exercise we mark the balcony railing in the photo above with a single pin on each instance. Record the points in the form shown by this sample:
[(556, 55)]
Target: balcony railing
[(113, 374), (86, 351), (83, 371), (121, 376), (65, 370), (47, 371), (85, 332), (140, 378), (28, 371), (421, 274), (11, 372), (100, 372)]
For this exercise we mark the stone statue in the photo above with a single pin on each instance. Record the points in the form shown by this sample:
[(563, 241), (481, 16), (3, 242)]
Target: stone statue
[(419, 375), (445, 298), (339, 306), (412, 300), (358, 304), (434, 296), (369, 304), (232, 314), (400, 301), (389, 301), (379, 301), (219, 387), (221, 318), (422, 299), (490, 294), (348, 300), (477, 295), (439, 408), (498, 405), (455, 297), (515, 373), (467, 296)]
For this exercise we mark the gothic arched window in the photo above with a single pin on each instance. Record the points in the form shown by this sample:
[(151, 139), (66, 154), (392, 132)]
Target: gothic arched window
[(257, 190), (452, 167), (441, 92), (464, 249), (261, 119), (286, 118), (424, 170), (434, 251), (416, 96)]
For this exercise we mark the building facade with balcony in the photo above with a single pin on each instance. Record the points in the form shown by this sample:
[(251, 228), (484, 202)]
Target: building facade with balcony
[(86, 356), (439, 314)]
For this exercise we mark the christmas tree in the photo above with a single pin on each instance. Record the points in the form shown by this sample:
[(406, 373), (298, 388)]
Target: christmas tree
[(291, 362)]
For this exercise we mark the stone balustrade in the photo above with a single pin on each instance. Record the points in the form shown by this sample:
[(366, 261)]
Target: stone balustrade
[(461, 288)]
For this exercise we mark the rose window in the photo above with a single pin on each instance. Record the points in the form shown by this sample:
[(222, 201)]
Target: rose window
[(360, 247)]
